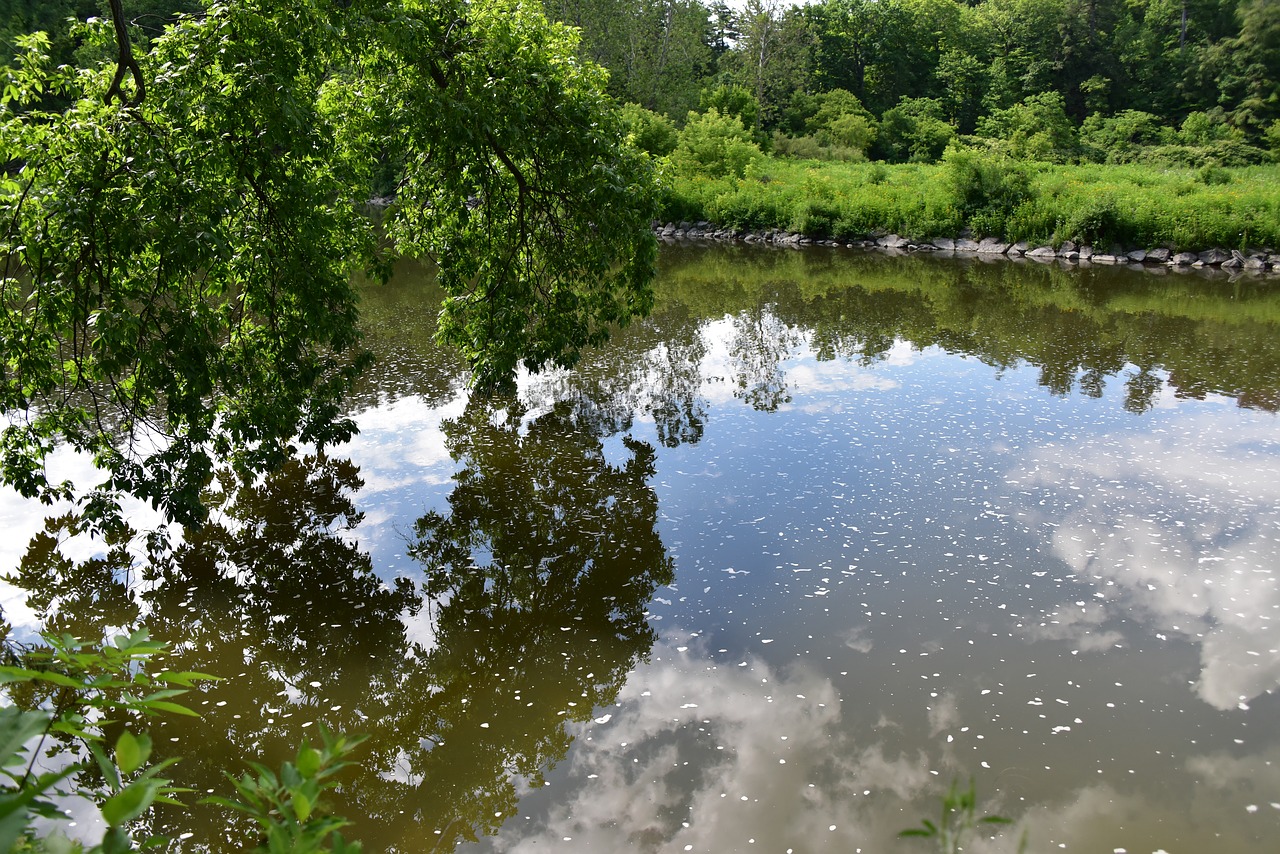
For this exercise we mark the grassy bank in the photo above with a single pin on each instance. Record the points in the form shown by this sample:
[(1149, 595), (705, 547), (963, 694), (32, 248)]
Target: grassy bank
[(1134, 206)]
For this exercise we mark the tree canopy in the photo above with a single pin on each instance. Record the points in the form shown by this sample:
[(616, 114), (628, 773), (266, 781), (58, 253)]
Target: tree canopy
[(179, 240)]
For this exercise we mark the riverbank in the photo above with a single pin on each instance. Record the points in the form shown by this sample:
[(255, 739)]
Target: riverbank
[(983, 205), (1232, 262)]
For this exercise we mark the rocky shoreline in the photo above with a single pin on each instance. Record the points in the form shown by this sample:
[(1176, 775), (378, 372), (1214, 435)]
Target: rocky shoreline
[(1231, 261)]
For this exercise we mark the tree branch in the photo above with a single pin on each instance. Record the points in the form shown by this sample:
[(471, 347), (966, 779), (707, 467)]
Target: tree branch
[(124, 61)]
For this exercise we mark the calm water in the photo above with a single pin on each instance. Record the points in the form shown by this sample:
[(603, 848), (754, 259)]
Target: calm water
[(826, 533)]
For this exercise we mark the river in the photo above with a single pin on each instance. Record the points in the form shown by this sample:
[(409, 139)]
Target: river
[(828, 532)]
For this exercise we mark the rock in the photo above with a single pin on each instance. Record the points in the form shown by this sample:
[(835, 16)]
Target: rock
[(946, 244), (1042, 252), (1185, 259), (1066, 248), (1159, 256), (1137, 255), (1255, 262), (1086, 252), (964, 244), (1213, 257), (1018, 249), (1072, 256), (991, 246), (1105, 258), (892, 241), (1232, 264)]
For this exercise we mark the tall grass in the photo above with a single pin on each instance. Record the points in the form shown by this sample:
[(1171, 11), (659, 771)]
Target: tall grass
[(1131, 205)]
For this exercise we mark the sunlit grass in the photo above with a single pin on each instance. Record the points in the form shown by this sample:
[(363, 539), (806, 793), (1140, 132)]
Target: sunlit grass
[(1133, 206)]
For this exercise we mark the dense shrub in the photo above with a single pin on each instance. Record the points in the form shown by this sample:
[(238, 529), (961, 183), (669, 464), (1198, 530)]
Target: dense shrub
[(913, 131), (1132, 205), (985, 186), (812, 148), (716, 145), (651, 132), (1037, 128)]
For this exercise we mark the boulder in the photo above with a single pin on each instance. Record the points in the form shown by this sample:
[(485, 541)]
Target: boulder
[(1018, 249), (1043, 252), (946, 244), (964, 244), (1213, 257), (1255, 262), (1159, 255), (1067, 248), (1086, 252), (1137, 255), (892, 241), (1185, 259), (991, 246)]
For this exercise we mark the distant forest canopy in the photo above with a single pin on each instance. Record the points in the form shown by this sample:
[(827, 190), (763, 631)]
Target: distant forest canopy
[(1179, 82), (898, 80)]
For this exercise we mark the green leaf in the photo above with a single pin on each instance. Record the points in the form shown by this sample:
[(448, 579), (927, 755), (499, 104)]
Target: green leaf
[(130, 803), (16, 728), (132, 751), (308, 761), (174, 708), (22, 674), (301, 806)]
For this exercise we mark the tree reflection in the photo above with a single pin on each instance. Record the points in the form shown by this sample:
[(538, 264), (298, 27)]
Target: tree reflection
[(542, 571), (652, 368), (761, 343), (536, 584), (1077, 327)]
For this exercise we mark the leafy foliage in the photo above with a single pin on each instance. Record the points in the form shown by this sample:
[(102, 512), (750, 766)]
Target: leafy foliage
[(958, 821), (94, 697), (288, 806), (211, 314), (715, 144)]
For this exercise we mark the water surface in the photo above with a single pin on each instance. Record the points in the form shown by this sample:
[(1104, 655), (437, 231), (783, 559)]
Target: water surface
[(826, 533)]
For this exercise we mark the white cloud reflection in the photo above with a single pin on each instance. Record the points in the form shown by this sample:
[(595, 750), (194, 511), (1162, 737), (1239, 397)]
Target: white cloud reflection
[(1177, 530), (725, 756)]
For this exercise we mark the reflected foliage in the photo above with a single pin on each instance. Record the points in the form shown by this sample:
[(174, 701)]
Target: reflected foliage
[(1079, 328), (543, 568), (530, 613)]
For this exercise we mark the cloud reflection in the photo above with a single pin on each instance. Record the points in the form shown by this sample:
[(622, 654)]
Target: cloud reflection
[(1175, 533)]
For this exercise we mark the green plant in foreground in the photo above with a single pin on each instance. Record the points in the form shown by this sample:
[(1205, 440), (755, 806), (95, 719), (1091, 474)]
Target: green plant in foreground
[(89, 699), (958, 820), (92, 696), (287, 807)]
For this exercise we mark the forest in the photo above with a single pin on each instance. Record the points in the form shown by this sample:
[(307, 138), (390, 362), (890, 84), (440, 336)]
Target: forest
[(1164, 82), (1177, 82)]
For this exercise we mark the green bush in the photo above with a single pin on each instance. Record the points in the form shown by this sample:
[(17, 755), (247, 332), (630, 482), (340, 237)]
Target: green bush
[(1133, 205), (1037, 128), (650, 131), (811, 148), (913, 131), (1213, 175), (985, 186), (1095, 221), (1272, 139), (716, 145)]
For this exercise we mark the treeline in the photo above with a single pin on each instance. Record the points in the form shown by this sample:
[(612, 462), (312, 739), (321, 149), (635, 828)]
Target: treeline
[(1166, 82)]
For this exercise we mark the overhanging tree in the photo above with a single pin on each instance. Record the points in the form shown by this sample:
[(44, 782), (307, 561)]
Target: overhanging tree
[(177, 261)]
